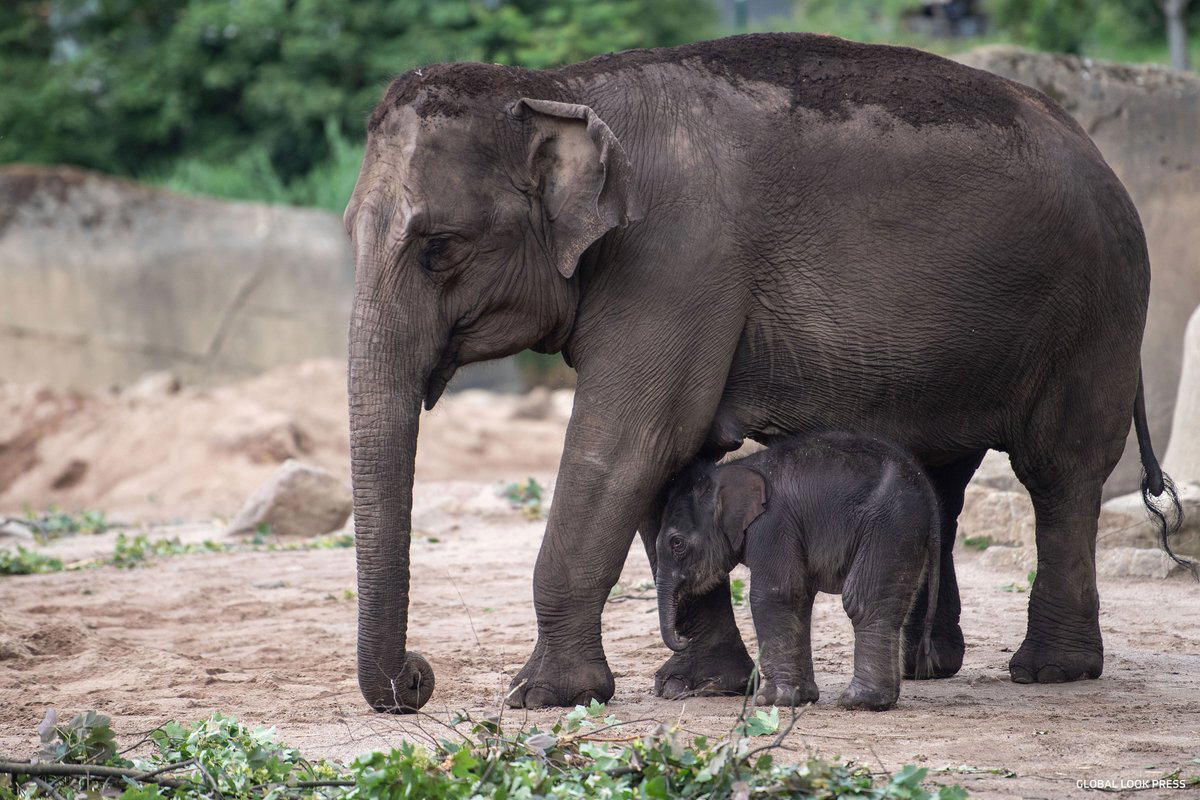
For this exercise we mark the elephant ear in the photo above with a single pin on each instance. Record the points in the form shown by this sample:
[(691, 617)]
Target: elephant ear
[(741, 499), (584, 179)]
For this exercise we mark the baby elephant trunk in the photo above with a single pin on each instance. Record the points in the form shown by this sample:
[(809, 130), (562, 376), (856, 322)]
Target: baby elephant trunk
[(666, 614)]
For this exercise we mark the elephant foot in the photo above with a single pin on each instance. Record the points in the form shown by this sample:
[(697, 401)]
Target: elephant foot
[(787, 694), (870, 698), (1037, 662), (549, 679), (946, 649), (704, 670)]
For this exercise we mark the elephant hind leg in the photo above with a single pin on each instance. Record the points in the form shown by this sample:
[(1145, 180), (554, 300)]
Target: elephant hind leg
[(1072, 441), (947, 647)]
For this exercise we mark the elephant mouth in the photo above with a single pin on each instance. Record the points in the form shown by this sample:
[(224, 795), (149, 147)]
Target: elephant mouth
[(442, 373)]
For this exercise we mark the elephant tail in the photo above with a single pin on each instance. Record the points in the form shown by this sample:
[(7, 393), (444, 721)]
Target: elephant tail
[(933, 569), (1167, 513)]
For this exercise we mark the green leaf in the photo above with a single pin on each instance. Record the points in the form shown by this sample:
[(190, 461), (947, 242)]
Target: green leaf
[(657, 787)]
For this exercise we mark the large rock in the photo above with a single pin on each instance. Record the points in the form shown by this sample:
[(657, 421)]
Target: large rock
[(298, 501), (996, 473), (1006, 518), (105, 279), (1020, 560), (1145, 120), (1124, 522), (1134, 562), (1182, 460)]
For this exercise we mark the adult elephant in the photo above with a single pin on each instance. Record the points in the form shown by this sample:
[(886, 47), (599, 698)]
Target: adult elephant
[(798, 231)]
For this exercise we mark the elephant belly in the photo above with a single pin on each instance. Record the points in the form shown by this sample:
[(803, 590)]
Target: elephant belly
[(941, 395)]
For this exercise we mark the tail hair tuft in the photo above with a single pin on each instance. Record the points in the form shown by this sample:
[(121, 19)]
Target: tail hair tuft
[(1167, 515)]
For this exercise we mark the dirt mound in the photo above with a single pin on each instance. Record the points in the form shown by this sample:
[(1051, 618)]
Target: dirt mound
[(150, 453)]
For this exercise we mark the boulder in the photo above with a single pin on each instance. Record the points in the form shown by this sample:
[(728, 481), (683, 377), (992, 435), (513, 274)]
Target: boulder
[(154, 385), (1135, 562), (1125, 523), (1009, 559), (1007, 518), (1144, 119), (1182, 459), (299, 500), (1004, 517), (995, 472), (141, 279)]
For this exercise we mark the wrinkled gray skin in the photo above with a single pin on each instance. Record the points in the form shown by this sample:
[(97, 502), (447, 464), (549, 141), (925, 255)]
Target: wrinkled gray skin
[(840, 513), (804, 232)]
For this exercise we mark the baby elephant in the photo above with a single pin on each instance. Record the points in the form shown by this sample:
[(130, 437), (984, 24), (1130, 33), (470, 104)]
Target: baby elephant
[(833, 512)]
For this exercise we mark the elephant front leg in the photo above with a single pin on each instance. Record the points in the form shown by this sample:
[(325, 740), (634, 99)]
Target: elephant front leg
[(595, 513), (783, 622), (715, 662)]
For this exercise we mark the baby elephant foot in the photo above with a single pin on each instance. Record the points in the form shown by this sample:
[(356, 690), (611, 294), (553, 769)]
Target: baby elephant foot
[(872, 698), (786, 694)]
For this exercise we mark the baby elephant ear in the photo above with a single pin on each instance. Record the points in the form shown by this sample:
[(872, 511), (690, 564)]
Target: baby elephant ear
[(583, 178), (741, 499)]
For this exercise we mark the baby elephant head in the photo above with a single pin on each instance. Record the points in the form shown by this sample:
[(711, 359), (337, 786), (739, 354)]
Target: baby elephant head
[(703, 530)]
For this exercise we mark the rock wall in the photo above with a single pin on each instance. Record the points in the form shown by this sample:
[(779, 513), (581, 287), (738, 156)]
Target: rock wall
[(1182, 460), (1146, 122), (102, 280)]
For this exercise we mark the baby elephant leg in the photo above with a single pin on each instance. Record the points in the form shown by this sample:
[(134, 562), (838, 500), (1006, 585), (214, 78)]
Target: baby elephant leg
[(783, 623), (877, 604)]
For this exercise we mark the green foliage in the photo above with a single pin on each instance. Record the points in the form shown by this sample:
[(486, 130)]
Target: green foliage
[(1058, 25), (526, 496), (977, 542), (141, 550), (737, 591), (87, 739), (27, 562), (1020, 588), (760, 723), (267, 99), (1121, 30), (876, 21), (55, 523), (231, 758), (583, 755)]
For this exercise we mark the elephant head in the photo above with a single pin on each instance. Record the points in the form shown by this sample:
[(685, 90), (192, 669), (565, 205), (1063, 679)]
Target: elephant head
[(702, 535), (473, 207)]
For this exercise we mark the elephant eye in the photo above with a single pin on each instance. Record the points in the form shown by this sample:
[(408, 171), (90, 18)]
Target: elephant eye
[(431, 259), (676, 544)]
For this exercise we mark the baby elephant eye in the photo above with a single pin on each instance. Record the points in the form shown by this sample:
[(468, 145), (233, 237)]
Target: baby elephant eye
[(676, 544)]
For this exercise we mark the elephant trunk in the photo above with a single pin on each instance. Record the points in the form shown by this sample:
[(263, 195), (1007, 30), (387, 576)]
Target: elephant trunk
[(385, 388), (667, 612)]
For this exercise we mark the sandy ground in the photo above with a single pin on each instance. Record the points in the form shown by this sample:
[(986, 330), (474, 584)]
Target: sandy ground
[(148, 454), (269, 637)]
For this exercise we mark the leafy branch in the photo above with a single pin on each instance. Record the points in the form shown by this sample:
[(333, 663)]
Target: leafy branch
[(586, 753)]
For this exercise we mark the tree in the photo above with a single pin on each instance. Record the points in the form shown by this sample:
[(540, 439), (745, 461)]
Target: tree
[(145, 87), (1177, 38)]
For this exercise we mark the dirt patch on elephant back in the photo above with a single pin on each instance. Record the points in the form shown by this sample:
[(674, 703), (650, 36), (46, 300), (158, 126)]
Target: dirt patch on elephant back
[(270, 638), (825, 74)]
